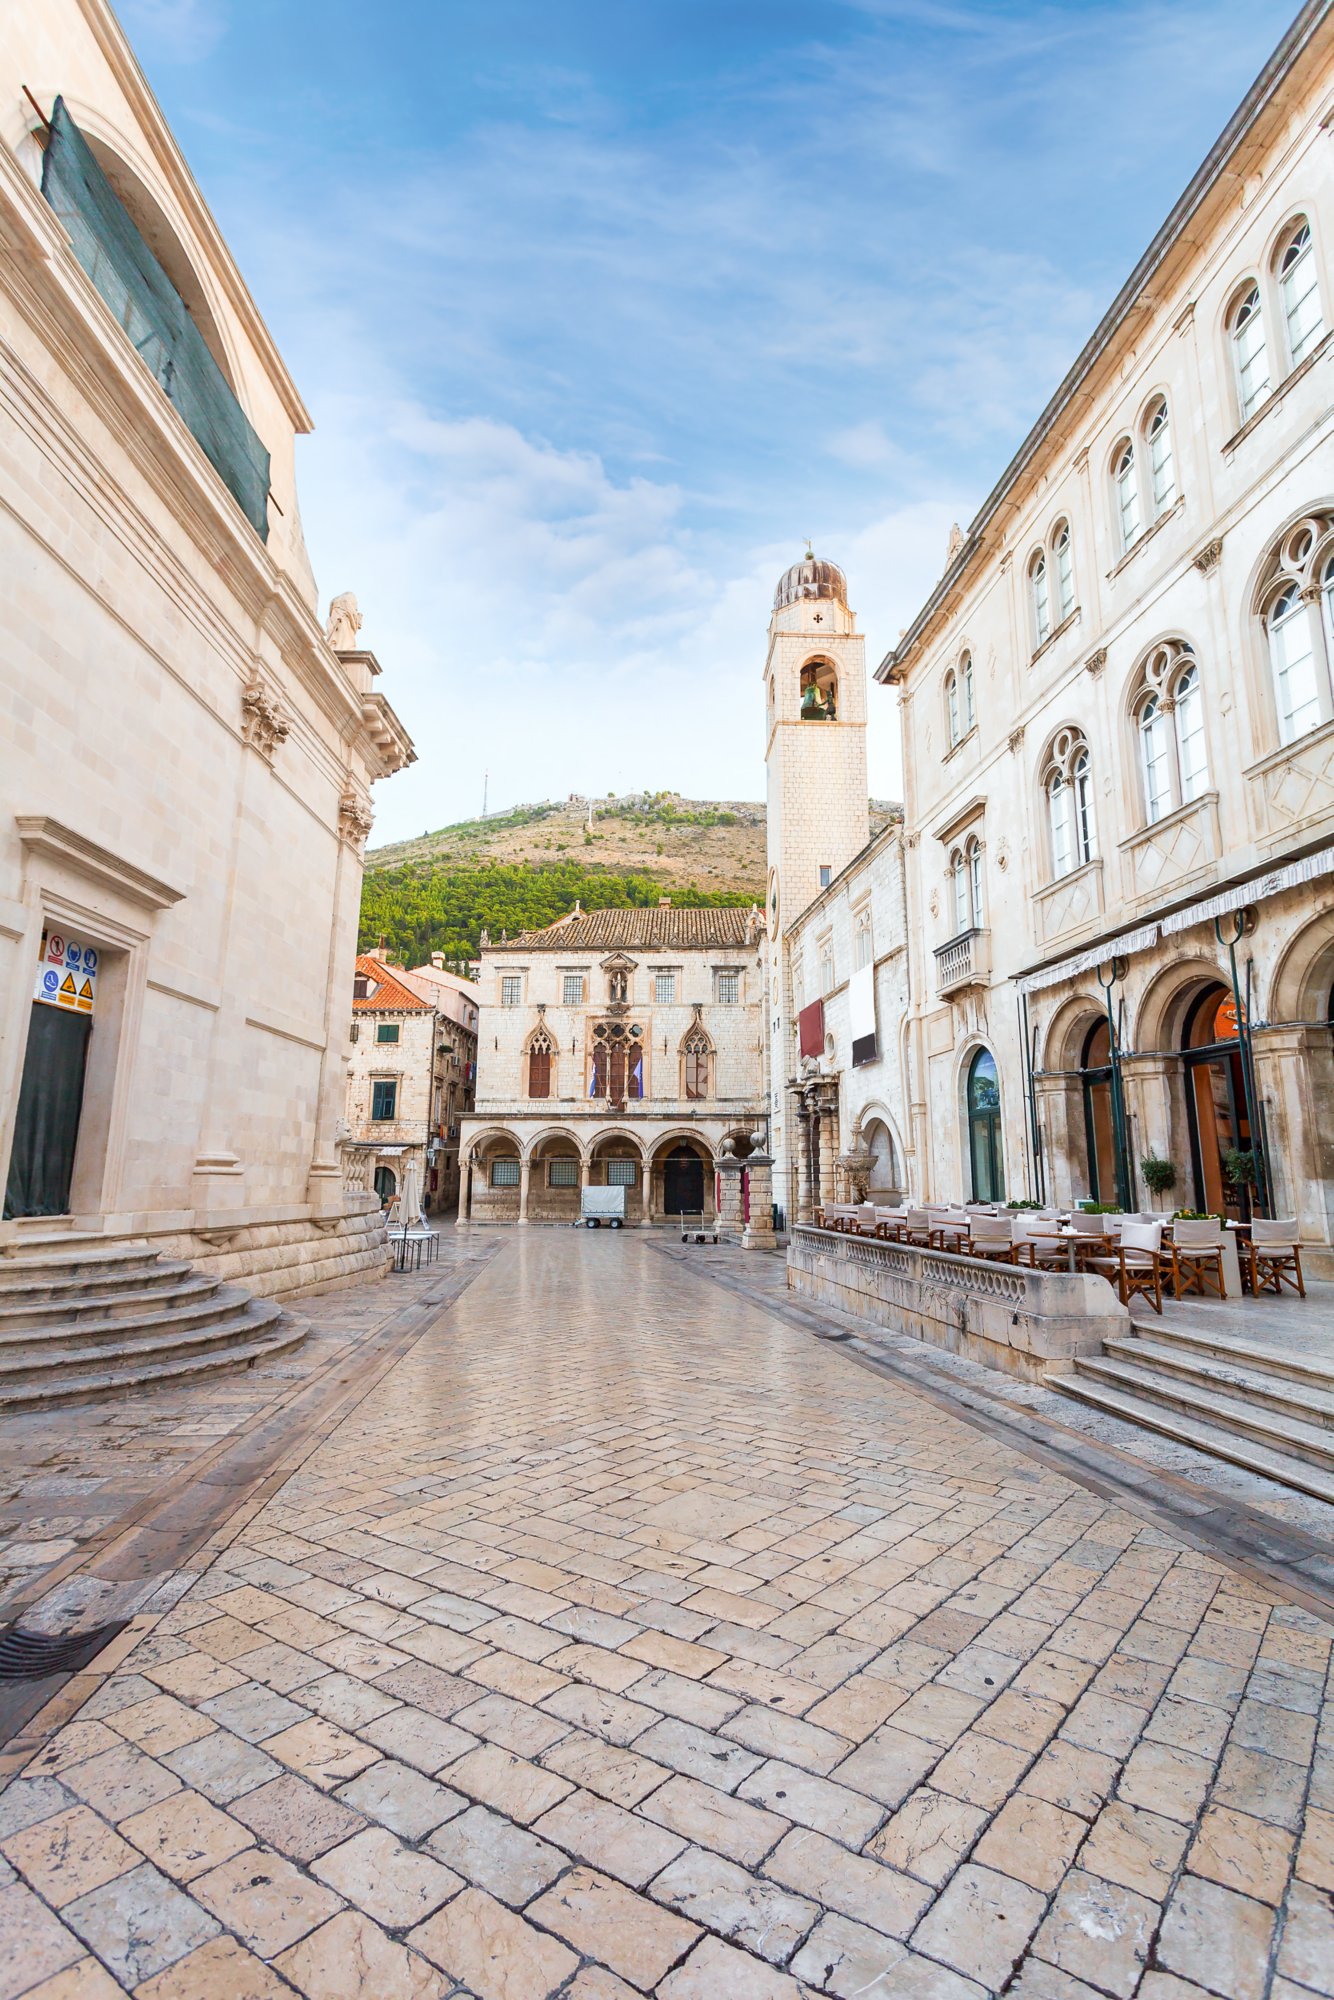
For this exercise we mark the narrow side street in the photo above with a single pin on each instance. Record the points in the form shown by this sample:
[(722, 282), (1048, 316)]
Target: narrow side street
[(624, 1639)]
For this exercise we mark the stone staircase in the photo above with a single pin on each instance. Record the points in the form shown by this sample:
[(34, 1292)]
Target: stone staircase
[(80, 1317), (1266, 1407)]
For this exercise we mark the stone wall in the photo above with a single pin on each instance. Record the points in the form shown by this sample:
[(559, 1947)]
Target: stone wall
[(1026, 1323), (284, 1260)]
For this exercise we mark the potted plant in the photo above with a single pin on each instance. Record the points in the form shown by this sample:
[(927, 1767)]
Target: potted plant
[(1160, 1176), (1240, 1173)]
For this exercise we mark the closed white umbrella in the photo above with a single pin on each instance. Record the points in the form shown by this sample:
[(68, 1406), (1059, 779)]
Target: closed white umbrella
[(409, 1192)]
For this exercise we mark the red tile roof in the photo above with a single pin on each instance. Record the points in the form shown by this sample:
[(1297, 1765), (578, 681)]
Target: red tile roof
[(671, 929), (391, 996)]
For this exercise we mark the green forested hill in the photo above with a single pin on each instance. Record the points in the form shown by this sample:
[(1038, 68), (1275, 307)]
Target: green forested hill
[(524, 868), (419, 908)]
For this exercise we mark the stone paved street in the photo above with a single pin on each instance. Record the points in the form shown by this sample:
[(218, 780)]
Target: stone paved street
[(623, 1640)]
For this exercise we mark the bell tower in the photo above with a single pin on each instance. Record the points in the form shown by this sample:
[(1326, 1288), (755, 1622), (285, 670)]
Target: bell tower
[(815, 748), (818, 813)]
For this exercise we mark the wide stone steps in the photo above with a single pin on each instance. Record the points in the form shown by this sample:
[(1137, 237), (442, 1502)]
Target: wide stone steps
[(88, 1321), (1263, 1408)]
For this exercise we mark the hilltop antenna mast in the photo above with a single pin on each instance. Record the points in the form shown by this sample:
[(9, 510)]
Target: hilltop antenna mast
[(486, 776)]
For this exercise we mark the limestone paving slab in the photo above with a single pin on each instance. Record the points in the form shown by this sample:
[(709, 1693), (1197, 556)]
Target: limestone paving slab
[(735, 1671)]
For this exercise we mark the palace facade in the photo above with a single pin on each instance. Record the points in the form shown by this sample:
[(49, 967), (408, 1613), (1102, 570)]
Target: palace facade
[(1118, 726), (616, 1047)]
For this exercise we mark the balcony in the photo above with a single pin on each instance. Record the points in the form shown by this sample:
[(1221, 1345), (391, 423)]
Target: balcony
[(965, 961)]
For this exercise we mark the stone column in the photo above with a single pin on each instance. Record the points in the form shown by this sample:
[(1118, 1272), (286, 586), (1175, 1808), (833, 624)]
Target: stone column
[(583, 1183), (730, 1224), (802, 1128), (525, 1171), (827, 1171), (1156, 1122), (759, 1232), (1294, 1075), (465, 1200)]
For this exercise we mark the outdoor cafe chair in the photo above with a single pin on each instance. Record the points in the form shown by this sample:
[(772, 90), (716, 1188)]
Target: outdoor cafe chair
[(1135, 1265), (992, 1236), (1274, 1256), (1197, 1258), (891, 1223)]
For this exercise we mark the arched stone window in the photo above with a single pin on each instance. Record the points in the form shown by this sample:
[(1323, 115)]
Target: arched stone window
[(1162, 465), (1296, 605), (539, 1064), (1168, 709), (966, 690), (953, 713), (1063, 561), (1039, 597), (1067, 780), (1299, 290), (1125, 493), (696, 1065), (966, 886), (1250, 349)]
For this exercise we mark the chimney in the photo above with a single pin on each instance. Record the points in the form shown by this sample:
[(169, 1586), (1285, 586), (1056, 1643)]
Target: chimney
[(438, 960), (664, 902)]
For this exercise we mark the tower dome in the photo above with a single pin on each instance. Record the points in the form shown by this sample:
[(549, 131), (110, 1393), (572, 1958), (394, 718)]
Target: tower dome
[(811, 577)]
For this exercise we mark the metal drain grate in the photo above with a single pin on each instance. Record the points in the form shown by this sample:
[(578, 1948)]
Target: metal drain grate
[(32, 1656)]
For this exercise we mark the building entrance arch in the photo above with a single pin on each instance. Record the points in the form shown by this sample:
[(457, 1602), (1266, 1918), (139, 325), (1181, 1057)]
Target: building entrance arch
[(1095, 1073), (986, 1156), (386, 1184), (683, 1182), (1216, 1113)]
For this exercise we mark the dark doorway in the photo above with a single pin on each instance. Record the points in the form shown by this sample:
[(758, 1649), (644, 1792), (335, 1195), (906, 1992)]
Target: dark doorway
[(683, 1182), (1215, 1099), (984, 1128), (46, 1129), (386, 1184), (1099, 1124)]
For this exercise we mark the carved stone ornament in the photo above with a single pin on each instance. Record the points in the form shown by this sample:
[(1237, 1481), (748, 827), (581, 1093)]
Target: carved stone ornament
[(355, 819), (263, 723), (1003, 854), (1095, 662), (1015, 739), (1208, 557)]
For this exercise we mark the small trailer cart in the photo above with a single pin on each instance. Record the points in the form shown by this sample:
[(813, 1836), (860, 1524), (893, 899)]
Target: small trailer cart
[(601, 1204)]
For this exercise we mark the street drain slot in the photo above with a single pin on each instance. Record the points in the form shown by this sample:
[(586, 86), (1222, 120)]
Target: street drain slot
[(32, 1656)]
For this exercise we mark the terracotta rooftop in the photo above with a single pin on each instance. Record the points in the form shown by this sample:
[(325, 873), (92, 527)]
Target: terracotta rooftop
[(671, 929), (391, 996)]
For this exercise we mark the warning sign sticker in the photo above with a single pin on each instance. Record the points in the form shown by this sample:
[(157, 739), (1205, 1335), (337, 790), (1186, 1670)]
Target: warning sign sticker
[(67, 973)]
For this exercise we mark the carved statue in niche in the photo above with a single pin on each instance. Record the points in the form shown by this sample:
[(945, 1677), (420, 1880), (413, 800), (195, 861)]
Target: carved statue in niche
[(345, 621)]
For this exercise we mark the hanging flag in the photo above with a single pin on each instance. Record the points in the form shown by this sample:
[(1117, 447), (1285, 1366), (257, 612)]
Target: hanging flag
[(810, 1027), (861, 1016)]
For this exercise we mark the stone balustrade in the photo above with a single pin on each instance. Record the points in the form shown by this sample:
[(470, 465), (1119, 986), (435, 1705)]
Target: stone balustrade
[(1027, 1323)]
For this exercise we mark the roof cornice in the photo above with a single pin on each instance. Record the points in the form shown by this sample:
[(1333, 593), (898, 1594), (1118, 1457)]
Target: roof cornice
[(1313, 19)]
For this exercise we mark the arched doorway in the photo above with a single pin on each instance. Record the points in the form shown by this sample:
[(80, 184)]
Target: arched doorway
[(386, 1184), (985, 1155), (883, 1183), (1095, 1068), (1215, 1096), (683, 1182)]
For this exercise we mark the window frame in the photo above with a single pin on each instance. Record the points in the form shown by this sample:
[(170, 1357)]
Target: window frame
[(1300, 574), (661, 998), (1127, 506), (1039, 599), (1067, 782), (1164, 492), (726, 977), (384, 1088), (1063, 556), (388, 1033), (511, 989), (577, 981), (1247, 309), (1289, 238), (952, 708), (497, 1178)]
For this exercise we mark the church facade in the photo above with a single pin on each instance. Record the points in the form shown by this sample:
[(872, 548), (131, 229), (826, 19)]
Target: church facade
[(188, 750)]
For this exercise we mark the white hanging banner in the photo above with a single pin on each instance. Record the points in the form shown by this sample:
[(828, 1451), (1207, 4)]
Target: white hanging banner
[(67, 973), (1290, 876)]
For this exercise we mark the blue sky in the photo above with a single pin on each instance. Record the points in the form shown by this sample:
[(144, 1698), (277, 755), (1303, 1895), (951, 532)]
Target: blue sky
[(602, 306)]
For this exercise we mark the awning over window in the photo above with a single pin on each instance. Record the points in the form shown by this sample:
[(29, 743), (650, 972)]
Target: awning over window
[(153, 314)]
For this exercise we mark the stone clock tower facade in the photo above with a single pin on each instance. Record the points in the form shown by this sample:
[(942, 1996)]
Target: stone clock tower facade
[(818, 816)]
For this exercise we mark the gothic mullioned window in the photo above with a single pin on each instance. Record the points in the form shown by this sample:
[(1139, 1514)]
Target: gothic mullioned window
[(1067, 781), (1168, 709), (539, 1064), (616, 1071), (696, 1055), (1296, 606)]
